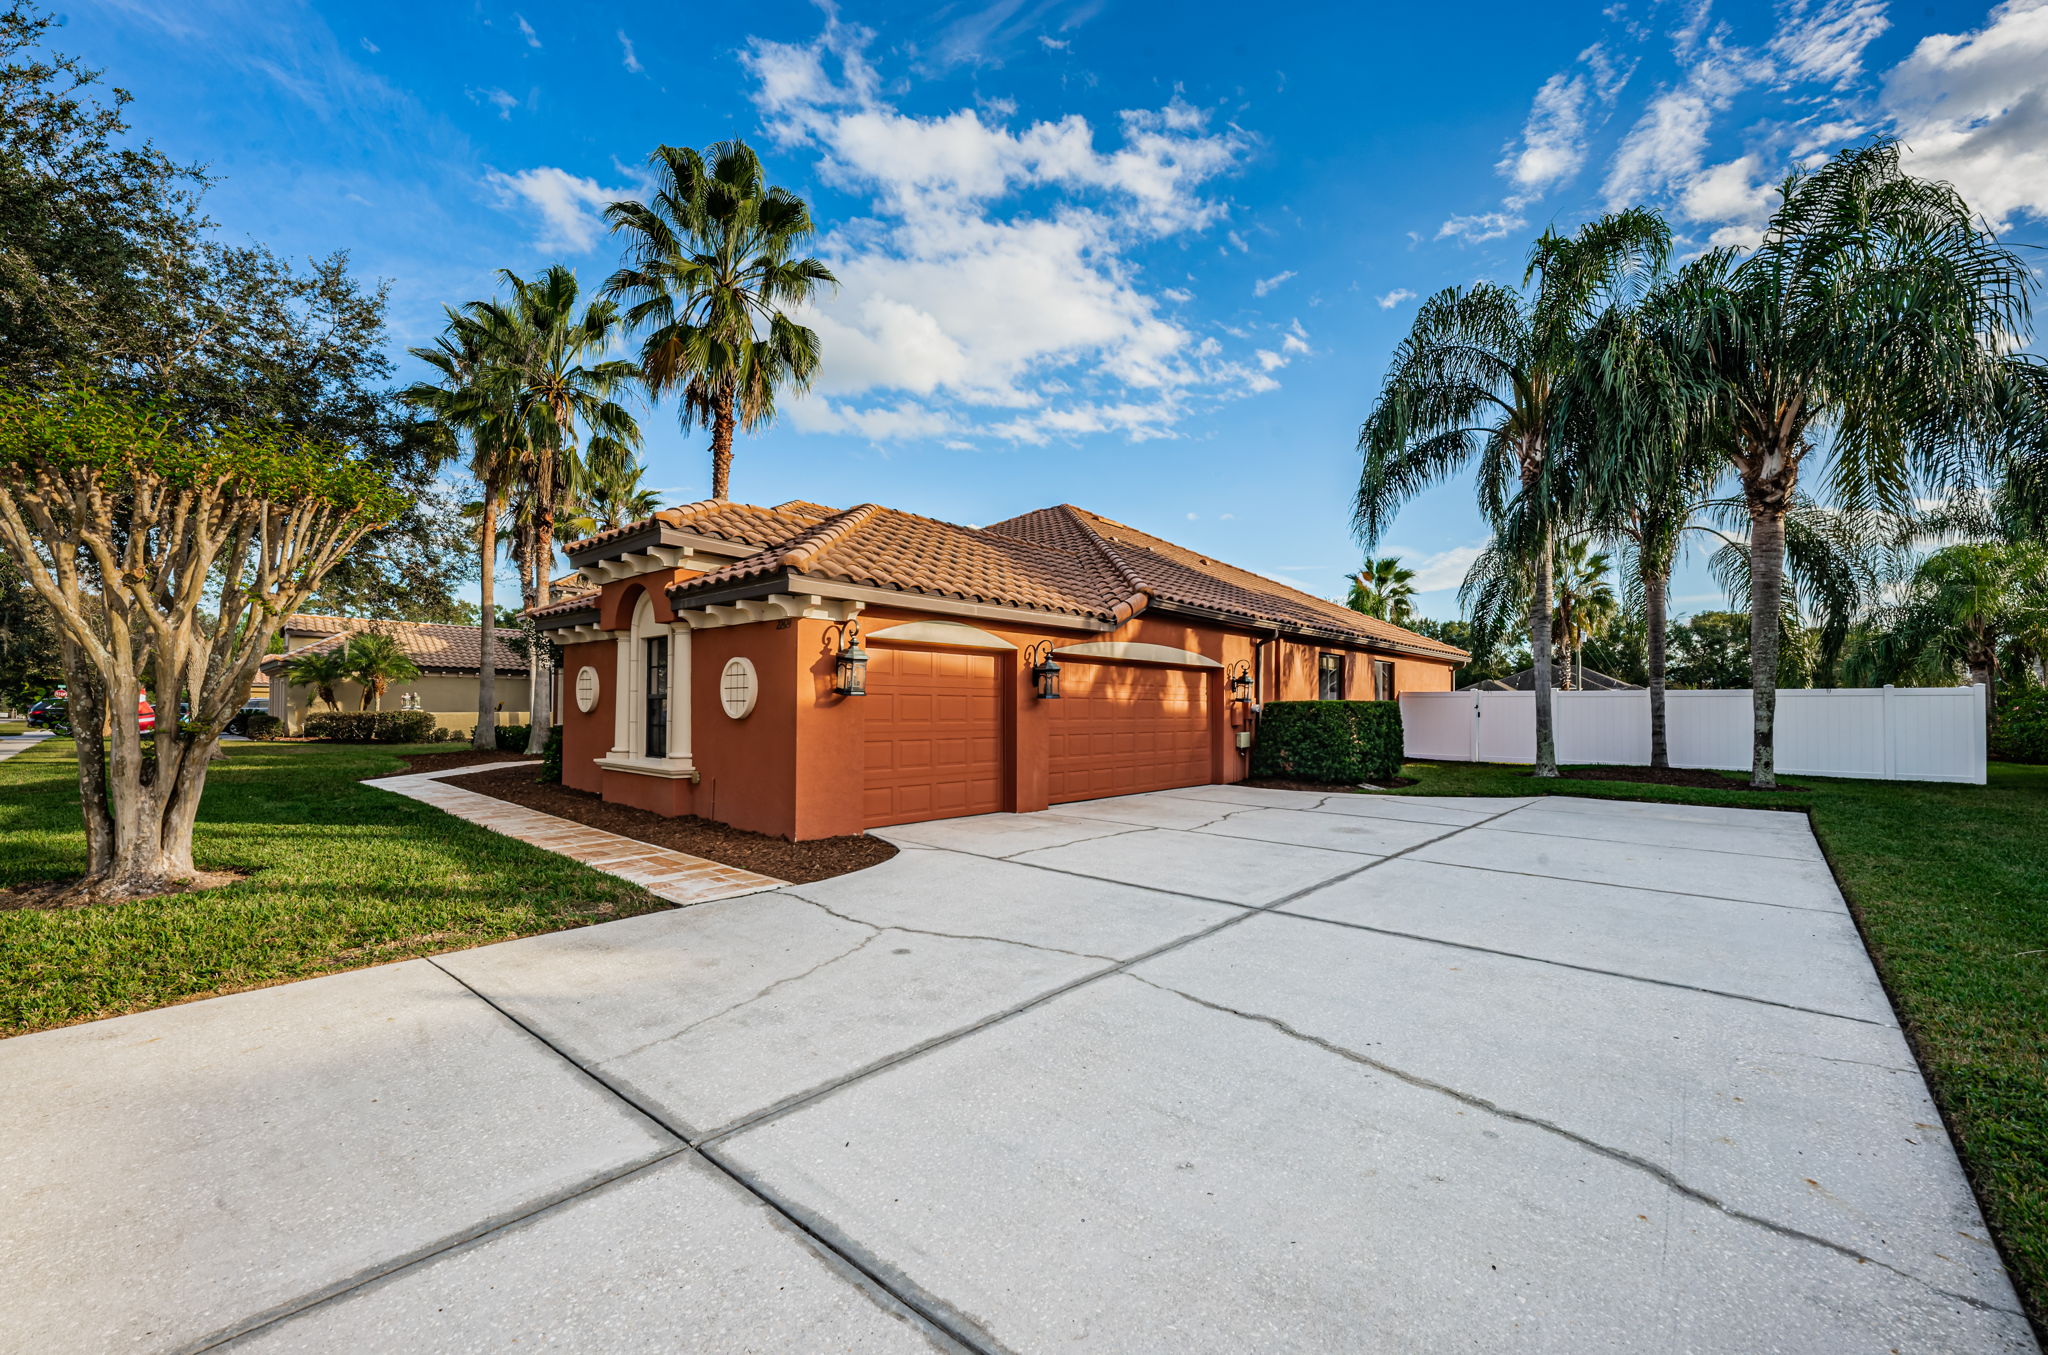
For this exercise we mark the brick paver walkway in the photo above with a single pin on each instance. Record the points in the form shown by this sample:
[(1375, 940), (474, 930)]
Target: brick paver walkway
[(675, 876)]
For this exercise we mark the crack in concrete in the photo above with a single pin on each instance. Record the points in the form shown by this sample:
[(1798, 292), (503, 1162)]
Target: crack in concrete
[(955, 936), (1657, 1172), (747, 1002)]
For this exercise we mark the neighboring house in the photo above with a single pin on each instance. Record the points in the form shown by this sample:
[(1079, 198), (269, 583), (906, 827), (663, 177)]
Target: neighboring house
[(701, 673), (447, 657), (1525, 681)]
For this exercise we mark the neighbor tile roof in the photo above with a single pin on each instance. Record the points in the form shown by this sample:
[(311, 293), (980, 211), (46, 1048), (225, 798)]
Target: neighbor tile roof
[(1062, 559), (435, 647)]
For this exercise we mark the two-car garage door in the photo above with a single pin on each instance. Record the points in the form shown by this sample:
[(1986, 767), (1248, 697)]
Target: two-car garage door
[(935, 732)]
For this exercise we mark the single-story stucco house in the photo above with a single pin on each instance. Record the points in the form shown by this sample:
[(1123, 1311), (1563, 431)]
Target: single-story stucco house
[(448, 657), (807, 672)]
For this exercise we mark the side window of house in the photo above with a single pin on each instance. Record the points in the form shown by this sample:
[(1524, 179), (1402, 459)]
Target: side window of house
[(1330, 678), (1383, 680), (656, 672)]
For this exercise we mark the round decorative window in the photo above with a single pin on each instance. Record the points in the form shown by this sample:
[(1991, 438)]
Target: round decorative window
[(586, 689), (737, 688)]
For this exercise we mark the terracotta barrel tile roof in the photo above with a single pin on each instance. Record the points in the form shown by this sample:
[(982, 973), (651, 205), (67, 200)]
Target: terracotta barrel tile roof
[(1062, 559), (435, 647)]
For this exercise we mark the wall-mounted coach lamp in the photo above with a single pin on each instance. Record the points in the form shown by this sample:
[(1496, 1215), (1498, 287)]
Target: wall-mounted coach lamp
[(1241, 681), (1045, 671), (853, 661)]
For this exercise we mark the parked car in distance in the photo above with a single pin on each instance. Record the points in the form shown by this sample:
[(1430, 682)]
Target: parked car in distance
[(53, 713)]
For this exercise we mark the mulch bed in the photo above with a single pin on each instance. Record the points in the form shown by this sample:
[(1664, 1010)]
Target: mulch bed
[(1667, 776), (1323, 787), (468, 757), (797, 862)]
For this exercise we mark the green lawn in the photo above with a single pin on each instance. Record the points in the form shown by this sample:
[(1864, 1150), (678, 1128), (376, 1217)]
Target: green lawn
[(1950, 886), (341, 876)]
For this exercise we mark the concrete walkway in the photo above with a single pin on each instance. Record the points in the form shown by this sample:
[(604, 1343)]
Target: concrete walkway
[(10, 744), (1214, 1070), (676, 876)]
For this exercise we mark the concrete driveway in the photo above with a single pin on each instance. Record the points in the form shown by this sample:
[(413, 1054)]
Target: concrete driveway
[(1215, 1070)]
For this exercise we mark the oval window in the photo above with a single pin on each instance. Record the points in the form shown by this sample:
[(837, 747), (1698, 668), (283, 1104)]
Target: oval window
[(586, 689), (737, 688)]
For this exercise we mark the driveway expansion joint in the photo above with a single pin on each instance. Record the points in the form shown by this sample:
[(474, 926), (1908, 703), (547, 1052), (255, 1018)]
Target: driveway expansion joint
[(927, 931), (1657, 1172)]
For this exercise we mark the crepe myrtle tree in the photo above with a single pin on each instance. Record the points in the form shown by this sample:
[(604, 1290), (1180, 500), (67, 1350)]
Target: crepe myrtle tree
[(169, 553)]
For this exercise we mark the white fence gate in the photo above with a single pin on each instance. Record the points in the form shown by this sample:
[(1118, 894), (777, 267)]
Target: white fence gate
[(1879, 733)]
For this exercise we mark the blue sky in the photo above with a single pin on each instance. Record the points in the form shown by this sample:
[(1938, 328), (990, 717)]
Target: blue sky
[(1151, 259)]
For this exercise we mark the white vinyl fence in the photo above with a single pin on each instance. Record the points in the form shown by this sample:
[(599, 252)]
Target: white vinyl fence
[(1880, 733)]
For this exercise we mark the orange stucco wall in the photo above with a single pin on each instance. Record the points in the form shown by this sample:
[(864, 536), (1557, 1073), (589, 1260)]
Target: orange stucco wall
[(794, 766)]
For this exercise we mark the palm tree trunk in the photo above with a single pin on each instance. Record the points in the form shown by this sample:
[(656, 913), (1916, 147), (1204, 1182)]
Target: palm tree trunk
[(1766, 599), (485, 738), (1655, 585), (1540, 642), (542, 679), (721, 447)]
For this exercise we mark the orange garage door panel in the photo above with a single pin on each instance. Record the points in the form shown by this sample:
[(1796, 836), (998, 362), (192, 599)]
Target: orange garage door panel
[(1120, 728), (934, 735)]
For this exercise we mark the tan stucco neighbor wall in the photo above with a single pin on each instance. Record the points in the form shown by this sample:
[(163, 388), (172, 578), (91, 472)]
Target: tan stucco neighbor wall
[(449, 697)]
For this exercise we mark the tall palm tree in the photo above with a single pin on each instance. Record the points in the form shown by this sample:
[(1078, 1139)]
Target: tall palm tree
[(711, 270), (1962, 605), (614, 497), (1385, 590), (472, 402), (563, 396), (1866, 322), (1482, 377)]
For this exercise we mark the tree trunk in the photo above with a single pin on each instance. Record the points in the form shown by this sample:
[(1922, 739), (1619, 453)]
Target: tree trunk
[(86, 709), (1654, 587), (721, 447), (540, 681), (1766, 600), (1984, 670), (485, 737), (1540, 642)]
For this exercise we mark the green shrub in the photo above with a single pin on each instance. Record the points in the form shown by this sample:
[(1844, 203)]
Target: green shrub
[(388, 726), (1339, 743), (2020, 733), (512, 738), (258, 725), (551, 758)]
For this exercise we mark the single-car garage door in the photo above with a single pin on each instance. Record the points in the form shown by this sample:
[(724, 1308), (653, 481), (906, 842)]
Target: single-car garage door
[(1120, 728), (934, 735)]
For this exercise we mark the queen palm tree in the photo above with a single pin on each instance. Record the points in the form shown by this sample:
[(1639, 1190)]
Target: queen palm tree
[(562, 396), (1962, 604), (374, 661), (472, 402), (711, 270), (1867, 323), (320, 670), (1584, 605), (1385, 590), (1482, 378)]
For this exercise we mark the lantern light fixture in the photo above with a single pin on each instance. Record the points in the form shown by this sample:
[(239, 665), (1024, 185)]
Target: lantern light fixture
[(1241, 681), (853, 661), (1045, 670)]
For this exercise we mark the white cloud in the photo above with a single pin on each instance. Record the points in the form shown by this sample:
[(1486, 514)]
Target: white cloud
[(1825, 42), (502, 100), (370, 47), (526, 31), (1177, 295), (1439, 570), (1265, 285), (1050, 45), (632, 61), (1972, 108), (958, 298), (568, 205), (1395, 298), (1553, 139), (1480, 226)]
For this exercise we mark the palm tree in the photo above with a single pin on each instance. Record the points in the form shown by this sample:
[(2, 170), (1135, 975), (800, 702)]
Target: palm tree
[(561, 394), (1867, 321), (375, 661), (1584, 605), (1962, 604), (1482, 377), (320, 670), (710, 271), (1385, 590), (614, 498), (472, 402)]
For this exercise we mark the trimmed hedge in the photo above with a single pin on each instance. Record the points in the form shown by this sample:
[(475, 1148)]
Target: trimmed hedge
[(2020, 733), (258, 725), (512, 738), (1336, 742), (387, 726), (551, 758)]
